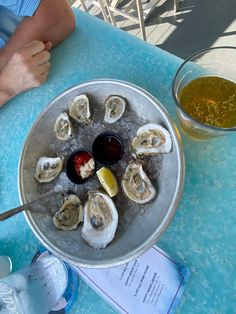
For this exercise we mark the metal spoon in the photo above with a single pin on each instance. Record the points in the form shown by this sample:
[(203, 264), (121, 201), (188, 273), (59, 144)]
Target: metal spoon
[(32, 205)]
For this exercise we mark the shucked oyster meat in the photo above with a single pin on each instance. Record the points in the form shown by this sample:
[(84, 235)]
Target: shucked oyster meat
[(100, 220), (62, 127), (115, 107), (151, 139), (47, 169), (79, 109), (136, 185), (70, 214)]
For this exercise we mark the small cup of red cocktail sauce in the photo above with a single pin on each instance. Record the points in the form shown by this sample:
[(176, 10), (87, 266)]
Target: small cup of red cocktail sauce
[(108, 148), (80, 166)]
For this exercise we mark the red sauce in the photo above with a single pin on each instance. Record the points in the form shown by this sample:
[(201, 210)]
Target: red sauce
[(80, 160)]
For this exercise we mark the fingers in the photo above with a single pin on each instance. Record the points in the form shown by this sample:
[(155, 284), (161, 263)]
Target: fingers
[(48, 45), (41, 58), (44, 68), (44, 77), (29, 67), (42, 73), (33, 48), (41, 79), (39, 63)]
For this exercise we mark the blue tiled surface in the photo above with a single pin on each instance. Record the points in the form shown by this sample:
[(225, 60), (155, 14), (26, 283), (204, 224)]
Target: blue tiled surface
[(203, 232)]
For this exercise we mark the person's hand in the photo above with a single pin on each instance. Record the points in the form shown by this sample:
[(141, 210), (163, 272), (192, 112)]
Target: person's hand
[(28, 68)]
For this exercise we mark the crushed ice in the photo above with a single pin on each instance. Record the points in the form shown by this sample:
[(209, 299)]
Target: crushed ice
[(83, 137)]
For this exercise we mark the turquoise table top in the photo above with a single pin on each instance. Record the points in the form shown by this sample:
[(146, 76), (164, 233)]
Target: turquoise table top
[(203, 232)]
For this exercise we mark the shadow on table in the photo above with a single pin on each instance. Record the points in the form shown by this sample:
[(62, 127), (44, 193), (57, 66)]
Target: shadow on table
[(198, 24), (200, 27)]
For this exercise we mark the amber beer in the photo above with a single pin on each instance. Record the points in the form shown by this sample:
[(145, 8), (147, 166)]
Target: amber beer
[(210, 100), (204, 89)]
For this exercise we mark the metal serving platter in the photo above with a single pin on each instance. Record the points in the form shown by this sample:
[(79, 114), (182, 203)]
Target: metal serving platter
[(139, 226)]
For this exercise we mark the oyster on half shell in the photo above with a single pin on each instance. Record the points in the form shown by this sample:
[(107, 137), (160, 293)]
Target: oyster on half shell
[(62, 127), (100, 220), (115, 107), (47, 169), (70, 214), (136, 185), (79, 109), (151, 139)]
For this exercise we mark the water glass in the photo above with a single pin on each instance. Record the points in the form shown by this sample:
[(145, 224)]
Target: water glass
[(35, 289)]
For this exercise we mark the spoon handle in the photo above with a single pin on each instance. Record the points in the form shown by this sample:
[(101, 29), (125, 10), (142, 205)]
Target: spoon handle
[(28, 206), (13, 212)]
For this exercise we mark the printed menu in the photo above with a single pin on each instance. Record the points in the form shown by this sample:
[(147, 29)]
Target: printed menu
[(152, 283)]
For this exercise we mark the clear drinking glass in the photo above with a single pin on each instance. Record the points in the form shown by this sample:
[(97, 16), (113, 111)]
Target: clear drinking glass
[(214, 62), (5, 266), (35, 289)]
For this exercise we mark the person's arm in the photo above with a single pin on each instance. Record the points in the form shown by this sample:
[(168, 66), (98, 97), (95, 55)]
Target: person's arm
[(52, 21), (28, 68)]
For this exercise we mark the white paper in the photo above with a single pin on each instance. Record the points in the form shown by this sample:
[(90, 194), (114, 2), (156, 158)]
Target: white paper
[(153, 283)]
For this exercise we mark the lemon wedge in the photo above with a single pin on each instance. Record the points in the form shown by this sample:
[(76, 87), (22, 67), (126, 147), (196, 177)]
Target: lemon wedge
[(108, 181)]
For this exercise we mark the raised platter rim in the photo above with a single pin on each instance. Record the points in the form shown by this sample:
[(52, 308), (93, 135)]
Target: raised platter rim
[(171, 211)]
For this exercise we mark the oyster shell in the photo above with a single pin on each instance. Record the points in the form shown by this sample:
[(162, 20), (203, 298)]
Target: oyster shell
[(79, 109), (100, 220), (47, 169), (70, 214), (136, 185), (115, 107), (62, 127), (151, 139)]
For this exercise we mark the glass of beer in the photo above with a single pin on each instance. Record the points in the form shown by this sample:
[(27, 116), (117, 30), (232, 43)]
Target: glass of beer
[(204, 89)]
